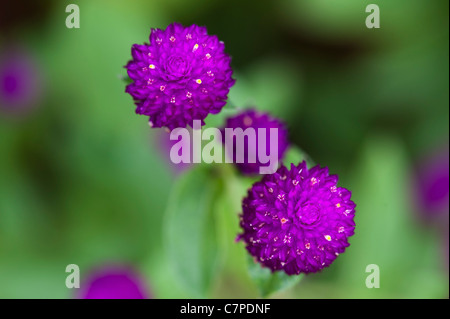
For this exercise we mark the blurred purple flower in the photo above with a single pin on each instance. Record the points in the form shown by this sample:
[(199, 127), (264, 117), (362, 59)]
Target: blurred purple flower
[(182, 75), (20, 81), (433, 184), (254, 119), (114, 282), (297, 220)]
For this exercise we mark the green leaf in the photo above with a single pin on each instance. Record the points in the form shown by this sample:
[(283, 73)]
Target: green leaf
[(126, 79), (296, 155), (268, 282), (387, 232), (229, 106), (228, 208), (190, 236)]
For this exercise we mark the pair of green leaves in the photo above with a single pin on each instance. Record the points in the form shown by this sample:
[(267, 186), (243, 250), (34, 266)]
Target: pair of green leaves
[(203, 206)]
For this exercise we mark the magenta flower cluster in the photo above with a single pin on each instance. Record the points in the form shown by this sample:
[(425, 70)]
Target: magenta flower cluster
[(297, 220), (182, 75)]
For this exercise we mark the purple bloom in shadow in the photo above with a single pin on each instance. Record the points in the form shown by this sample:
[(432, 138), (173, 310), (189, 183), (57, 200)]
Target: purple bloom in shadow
[(433, 184), (20, 81), (113, 282), (256, 120)]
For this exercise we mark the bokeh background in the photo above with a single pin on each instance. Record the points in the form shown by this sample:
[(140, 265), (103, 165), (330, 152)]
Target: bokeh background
[(83, 179)]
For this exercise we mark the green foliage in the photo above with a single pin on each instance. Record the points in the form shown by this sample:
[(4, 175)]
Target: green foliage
[(268, 282), (295, 155), (190, 235), (83, 181)]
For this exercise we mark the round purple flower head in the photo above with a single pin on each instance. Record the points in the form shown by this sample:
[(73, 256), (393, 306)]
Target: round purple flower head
[(254, 119), (433, 184), (297, 220), (182, 75), (20, 81), (113, 282)]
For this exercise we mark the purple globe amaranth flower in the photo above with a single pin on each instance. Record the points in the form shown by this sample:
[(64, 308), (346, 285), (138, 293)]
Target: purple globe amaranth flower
[(256, 120), (297, 220), (432, 184), (182, 75), (20, 81), (113, 282)]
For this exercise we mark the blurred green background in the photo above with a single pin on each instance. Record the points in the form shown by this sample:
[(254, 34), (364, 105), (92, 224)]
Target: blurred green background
[(82, 179)]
